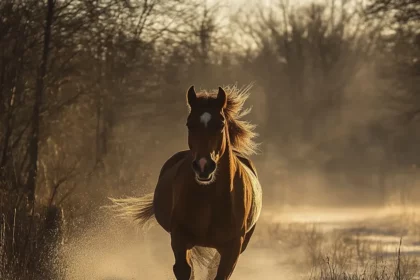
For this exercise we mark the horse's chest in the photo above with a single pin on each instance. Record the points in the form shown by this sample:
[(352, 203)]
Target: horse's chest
[(197, 218), (204, 219)]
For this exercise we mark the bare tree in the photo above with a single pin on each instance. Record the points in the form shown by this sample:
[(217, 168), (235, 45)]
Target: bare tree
[(39, 92), (403, 11)]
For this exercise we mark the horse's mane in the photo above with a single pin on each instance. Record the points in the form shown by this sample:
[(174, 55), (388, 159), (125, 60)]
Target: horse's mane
[(241, 133)]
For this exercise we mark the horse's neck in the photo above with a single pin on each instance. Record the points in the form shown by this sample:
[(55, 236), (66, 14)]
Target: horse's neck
[(229, 164)]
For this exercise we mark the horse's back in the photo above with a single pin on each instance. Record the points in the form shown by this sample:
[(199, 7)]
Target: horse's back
[(256, 204), (162, 201)]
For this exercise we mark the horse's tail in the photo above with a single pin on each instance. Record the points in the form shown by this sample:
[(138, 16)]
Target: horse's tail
[(205, 257), (139, 209)]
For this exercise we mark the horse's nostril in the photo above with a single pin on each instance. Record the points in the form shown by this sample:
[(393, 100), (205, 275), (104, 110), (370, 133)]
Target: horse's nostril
[(212, 166), (203, 166), (195, 165)]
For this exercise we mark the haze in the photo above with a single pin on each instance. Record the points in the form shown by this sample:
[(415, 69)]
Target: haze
[(92, 103)]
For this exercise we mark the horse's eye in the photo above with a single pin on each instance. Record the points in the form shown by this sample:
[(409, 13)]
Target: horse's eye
[(219, 125)]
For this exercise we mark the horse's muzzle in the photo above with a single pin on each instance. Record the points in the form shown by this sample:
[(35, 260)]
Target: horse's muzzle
[(204, 168)]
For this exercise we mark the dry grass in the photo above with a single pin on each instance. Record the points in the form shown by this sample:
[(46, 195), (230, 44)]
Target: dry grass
[(28, 239), (344, 254), (399, 268)]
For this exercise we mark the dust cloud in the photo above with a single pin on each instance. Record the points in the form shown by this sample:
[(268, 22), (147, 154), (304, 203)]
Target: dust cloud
[(116, 250)]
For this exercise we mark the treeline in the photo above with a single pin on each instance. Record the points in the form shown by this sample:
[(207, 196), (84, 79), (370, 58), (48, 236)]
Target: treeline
[(341, 82), (92, 101)]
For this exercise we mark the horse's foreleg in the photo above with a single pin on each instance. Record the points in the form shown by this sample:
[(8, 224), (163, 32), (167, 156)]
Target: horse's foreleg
[(229, 255), (182, 266)]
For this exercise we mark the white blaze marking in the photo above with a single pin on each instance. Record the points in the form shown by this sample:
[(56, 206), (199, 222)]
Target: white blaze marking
[(205, 118), (202, 163)]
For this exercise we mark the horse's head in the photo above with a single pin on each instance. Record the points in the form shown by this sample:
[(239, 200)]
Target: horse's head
[(207, 133)]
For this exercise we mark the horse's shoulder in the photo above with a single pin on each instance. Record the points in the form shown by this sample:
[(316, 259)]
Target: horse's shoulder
[(174, 159), (247, 162)]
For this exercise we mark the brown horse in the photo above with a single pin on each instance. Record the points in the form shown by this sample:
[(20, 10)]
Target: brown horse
[(209, 195)]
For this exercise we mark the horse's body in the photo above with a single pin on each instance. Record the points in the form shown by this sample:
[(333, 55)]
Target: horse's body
[(194, 206), (209, 215)]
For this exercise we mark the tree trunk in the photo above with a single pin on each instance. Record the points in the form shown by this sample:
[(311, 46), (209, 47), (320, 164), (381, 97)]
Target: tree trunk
[(39, 92)]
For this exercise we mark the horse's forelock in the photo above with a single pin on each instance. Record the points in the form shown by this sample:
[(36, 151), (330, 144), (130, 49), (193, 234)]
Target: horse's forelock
[(241, 133)]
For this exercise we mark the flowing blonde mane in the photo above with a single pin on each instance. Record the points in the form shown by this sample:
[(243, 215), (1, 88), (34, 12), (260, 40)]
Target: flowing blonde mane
[(241, 133)]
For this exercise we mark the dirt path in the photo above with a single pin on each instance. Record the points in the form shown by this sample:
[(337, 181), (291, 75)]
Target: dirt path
[(113, 252)]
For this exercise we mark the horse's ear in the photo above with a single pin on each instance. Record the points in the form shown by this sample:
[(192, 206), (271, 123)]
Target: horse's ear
[(191, 96), (221, 98)]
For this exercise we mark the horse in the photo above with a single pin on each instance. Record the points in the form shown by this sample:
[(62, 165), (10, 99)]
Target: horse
[(209, 195)]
